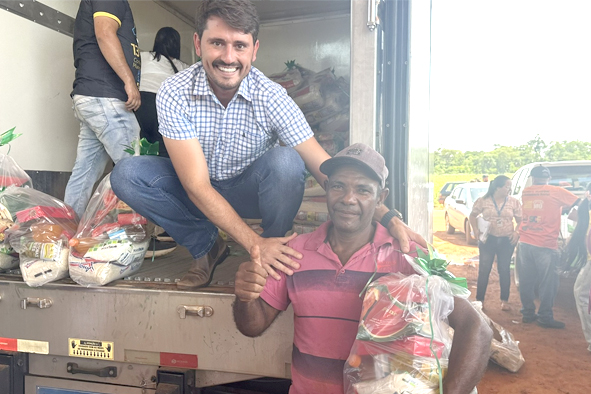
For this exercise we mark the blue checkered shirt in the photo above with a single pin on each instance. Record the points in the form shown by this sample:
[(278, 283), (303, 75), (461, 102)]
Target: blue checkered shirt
[(259, 116)]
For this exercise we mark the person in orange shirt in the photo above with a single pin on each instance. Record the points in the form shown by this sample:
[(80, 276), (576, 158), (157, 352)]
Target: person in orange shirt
[(538, 246)]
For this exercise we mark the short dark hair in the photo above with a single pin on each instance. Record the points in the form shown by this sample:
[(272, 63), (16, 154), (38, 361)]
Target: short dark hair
[(167, 43), (238, 14)]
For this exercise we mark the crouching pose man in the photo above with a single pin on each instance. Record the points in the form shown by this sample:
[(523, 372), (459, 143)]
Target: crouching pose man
[(338, 260)]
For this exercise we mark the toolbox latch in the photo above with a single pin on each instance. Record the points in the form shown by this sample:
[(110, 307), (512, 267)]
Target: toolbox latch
[(194, 310), (41, 303)]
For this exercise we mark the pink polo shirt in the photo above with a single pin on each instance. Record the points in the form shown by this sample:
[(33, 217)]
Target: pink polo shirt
[(325, 298)]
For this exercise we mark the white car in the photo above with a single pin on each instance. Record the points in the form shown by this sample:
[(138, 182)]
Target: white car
[(573, 175), (458, 206)]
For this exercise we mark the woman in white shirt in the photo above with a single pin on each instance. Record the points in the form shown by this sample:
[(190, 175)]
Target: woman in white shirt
[(157, 65)]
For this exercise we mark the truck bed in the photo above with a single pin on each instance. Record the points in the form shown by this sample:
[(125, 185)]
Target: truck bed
[(146, 319), (163, 272), (147, 322)]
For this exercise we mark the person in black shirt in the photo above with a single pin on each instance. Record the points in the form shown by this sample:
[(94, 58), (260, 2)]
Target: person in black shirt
[(107, 61)]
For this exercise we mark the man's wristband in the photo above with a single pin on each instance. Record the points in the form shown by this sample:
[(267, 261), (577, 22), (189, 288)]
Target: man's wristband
[(388, 216)]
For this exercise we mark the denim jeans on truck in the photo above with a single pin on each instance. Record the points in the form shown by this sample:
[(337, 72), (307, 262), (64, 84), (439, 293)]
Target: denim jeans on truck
[(270, 189), (106, 129)]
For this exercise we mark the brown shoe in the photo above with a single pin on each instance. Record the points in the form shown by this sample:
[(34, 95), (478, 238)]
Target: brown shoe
[(201, 272)]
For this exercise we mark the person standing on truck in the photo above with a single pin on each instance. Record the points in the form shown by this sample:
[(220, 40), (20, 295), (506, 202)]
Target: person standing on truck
[(107, 61), (222, 121), (338, 261), (157, 65), (538, 246)]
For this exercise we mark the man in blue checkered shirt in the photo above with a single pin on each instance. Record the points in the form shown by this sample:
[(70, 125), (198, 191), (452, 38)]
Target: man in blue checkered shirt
[(222, 121)]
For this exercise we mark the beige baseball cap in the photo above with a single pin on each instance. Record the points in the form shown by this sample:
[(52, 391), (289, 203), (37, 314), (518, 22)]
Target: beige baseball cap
[(360, 155)]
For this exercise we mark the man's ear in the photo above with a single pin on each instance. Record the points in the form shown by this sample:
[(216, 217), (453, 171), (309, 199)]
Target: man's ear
[(197, 43), (254, 52), (383, 195), (325, 184)]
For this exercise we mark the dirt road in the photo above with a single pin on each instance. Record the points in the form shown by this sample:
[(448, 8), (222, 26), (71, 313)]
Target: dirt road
[(556, 361)]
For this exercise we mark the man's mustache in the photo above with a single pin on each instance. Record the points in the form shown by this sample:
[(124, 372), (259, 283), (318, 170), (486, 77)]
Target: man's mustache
[(218, 63)]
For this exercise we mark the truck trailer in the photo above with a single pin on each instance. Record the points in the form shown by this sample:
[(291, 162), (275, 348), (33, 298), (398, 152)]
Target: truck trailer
[(141, 334)]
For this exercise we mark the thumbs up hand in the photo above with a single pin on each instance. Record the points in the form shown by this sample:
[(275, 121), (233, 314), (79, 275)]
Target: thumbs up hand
[(251, 277), (255, 255)]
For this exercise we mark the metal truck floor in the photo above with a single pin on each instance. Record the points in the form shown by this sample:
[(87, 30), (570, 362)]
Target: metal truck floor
[(163, 272)]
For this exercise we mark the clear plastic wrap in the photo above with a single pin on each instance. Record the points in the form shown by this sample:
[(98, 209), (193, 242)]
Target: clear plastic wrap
[(289, 79), (309, 97), (338, 123), (10, 174), (403, 341), (504, 352), (110, 242), (42, 227), (8, 257), (335, 100)]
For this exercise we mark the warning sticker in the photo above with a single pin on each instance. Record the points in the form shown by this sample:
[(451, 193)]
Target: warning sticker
[(87, 348)]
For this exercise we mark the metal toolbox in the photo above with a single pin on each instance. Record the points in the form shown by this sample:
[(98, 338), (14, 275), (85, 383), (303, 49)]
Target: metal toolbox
[(141, 325)]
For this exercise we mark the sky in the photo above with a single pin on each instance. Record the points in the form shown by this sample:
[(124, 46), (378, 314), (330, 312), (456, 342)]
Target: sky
[(505, 71)]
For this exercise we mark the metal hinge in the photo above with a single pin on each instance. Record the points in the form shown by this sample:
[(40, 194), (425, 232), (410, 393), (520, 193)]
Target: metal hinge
[(373, 19)]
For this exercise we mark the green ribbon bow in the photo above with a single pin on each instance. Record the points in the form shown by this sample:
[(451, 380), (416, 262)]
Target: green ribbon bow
[(8, 136), (145, 147), (436, 264), (290, 64)]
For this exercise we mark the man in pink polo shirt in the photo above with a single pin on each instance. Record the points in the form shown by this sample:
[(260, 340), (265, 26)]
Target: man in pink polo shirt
[(338, 260)]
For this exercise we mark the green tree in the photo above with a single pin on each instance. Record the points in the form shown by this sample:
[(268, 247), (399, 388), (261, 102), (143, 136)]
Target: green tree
[(538, 146), (572, 150), (507, 159)]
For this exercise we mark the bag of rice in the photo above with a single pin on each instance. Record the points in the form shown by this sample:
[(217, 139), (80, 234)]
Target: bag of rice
[(42, 228), (110, 242)]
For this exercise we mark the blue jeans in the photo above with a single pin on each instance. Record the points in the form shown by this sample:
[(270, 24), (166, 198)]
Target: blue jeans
[(270, 189), (502, 248), (537, 265), (106, 128)]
